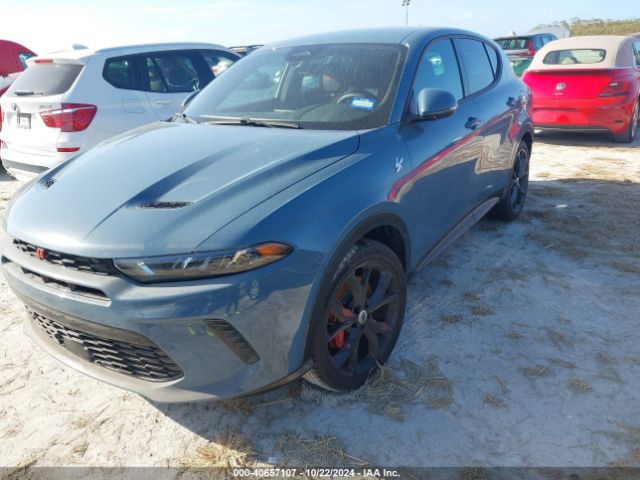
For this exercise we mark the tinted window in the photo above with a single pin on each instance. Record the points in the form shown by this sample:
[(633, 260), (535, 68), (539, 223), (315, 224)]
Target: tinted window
[(577, 56), (334, 86), (23, 57), (218, 62), (177, 71), (47, 78), (475, 62), (119, 72), (439, 69), (515, 43), (493, 58), (156, 82)]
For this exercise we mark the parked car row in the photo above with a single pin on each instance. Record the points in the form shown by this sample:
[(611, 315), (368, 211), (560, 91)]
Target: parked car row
[(521, 49), (589, 83)]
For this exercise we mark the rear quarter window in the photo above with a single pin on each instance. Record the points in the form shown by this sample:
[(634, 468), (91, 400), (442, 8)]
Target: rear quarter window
[(577, 56), (120, 73), (47, 78)]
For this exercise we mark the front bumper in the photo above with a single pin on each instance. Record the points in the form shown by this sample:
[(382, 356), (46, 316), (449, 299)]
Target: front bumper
[(611, 114), (266, 307)]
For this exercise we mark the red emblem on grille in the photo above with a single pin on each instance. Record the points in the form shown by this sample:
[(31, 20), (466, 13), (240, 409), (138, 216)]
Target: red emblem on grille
[(40, 253)]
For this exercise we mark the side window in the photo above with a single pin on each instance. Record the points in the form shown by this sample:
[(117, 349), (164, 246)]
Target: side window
[(23, 57), (120, 73), (156, 82), (478, 73), (439, 69), (218, 62), (636, 53), (494, 58), (538, 42), (175, 71)]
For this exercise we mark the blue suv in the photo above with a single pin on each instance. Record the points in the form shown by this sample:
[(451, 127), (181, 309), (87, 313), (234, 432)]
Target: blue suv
[(268, 229)]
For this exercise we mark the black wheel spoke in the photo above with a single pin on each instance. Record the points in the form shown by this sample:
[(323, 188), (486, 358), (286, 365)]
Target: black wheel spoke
[(372, 340), (377, 296), (357, 290), (381, 328), (337, 310), (340, 327), (382, 302), (349, 350)]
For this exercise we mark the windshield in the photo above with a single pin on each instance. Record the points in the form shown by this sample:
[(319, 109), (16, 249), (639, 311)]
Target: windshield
[(516, 43), (579, 56), (47, 79), (336, 87)]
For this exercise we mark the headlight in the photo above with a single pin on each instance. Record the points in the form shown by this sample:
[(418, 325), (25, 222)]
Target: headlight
[(192, 266)]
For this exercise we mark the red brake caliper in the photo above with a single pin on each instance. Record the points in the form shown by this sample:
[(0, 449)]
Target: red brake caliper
[(338, 341)]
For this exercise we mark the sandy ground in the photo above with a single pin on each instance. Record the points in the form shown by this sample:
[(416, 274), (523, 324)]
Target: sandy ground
[(520, 348)]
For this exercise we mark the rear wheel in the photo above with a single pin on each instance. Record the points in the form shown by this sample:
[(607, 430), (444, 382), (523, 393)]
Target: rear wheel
[(512, 203), (361, 319), (629, 134)]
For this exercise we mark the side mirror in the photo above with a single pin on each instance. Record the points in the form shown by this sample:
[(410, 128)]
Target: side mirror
[(434, 103), (188, 100)]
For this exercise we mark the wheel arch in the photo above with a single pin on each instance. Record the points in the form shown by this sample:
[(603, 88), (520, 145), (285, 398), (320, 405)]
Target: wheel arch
[(385, 227)]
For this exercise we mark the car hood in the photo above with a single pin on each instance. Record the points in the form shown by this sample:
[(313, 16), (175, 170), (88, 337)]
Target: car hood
[(165, 188)]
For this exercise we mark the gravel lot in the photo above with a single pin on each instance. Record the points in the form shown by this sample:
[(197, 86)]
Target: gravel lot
[(520, 348)]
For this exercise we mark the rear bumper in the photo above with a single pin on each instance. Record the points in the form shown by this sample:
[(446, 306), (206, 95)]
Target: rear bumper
[(601, 114), (266, 307), (27, 165)]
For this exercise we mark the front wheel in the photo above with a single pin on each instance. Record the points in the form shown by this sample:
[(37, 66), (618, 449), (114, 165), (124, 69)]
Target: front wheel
[(361, 319), (511, 204)]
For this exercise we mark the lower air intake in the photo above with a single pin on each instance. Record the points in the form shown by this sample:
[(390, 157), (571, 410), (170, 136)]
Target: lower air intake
[(233, 340)]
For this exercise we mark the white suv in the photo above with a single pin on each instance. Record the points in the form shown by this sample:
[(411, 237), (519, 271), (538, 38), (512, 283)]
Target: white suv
[(67, 102)]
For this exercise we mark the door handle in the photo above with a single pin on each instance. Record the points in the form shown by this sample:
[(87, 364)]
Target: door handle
[(473, 123), (164, 102)]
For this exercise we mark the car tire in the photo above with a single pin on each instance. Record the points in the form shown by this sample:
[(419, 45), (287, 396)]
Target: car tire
[(361, 317), (511, 204), (629, 134)]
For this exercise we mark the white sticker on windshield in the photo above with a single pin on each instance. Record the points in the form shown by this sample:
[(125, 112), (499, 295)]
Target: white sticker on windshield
[(365, 103)]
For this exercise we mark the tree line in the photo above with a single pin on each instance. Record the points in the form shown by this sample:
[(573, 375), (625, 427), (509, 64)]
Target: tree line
[(597, 26)]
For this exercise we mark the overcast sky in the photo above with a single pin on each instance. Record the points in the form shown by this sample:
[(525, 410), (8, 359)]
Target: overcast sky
[(45, 25)]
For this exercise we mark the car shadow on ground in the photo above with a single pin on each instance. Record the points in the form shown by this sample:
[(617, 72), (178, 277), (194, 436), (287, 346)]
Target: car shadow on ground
[(516, 350), (582, 139)]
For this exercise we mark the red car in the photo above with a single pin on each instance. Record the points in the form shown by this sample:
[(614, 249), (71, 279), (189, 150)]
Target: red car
[(587, 84), (13, 57)]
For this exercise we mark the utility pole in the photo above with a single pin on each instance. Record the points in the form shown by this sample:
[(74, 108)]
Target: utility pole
[(405, 4)]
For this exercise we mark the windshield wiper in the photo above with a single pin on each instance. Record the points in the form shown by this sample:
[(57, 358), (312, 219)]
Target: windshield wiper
[(24, 93), (184, 117), (254, 122)]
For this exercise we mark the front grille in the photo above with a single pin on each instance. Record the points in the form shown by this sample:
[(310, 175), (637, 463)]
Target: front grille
[(99, 266), (62, 285), (138, 357)]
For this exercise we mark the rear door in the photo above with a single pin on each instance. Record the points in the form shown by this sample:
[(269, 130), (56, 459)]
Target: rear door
[(482, 71), (443, 152), (502, 104), (170, 77), (40, 88)]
